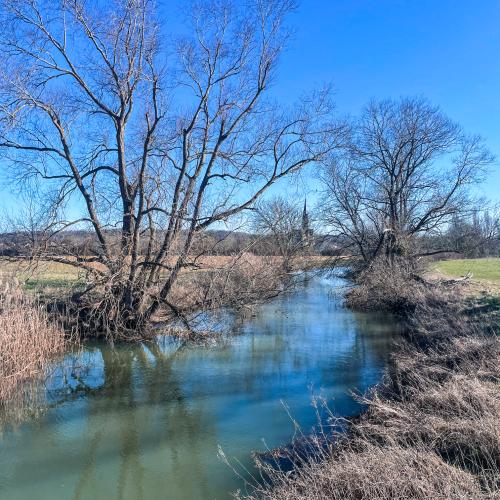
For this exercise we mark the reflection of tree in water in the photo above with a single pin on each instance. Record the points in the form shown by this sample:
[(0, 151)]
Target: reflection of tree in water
[(330, 347), (368, 354), (336, 348), (139, 382), (151, 412)]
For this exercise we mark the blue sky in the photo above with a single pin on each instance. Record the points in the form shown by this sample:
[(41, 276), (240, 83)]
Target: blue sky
[(446, 50)]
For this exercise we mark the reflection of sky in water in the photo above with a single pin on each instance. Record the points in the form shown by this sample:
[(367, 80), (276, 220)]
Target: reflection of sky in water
[(144, 422)]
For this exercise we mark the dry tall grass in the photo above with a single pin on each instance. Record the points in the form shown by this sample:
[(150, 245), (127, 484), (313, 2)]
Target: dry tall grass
[(28, 342), (431, 429), (375, 472), (244, 280)]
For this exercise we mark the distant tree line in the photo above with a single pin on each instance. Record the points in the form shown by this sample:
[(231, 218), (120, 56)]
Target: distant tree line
[(476, 235), (216, 242)]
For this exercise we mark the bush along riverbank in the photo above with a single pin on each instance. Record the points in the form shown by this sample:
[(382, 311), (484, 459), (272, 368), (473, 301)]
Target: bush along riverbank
[(431, 429)]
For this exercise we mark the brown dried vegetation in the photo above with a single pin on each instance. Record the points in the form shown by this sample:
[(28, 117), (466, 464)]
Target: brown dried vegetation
[(29, 341)]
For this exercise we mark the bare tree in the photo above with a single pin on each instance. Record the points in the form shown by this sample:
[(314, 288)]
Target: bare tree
[(146, 150), (405, 172), (281, 221), (473, 235)]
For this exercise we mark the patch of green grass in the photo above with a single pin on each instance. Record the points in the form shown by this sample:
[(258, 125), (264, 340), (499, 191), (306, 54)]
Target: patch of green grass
[(46, 275), (39, 283), (481, 269)]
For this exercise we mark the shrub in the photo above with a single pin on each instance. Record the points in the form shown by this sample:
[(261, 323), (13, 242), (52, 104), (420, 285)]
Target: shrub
[(391, 287)]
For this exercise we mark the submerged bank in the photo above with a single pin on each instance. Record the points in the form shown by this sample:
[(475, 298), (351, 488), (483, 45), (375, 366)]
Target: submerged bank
[(431, 428)]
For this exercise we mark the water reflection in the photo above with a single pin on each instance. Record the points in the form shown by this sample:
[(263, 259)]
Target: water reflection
[(144, 422)]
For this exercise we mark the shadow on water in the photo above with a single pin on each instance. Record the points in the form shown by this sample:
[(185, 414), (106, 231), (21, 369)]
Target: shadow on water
[(145, 421)]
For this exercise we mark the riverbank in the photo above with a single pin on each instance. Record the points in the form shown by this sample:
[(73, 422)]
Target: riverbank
[(431, 429), (148, 418)]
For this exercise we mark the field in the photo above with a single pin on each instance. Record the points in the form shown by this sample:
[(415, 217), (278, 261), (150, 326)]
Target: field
[(484, 274), (43, 275), (480, 269), (54, 276)]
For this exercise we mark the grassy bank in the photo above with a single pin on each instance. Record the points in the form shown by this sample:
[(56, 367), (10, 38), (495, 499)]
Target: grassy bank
[(482, 275), (486, 270), (431, 429)]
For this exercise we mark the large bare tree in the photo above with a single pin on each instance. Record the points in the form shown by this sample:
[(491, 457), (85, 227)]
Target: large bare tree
[(147, 143), (406, 171)]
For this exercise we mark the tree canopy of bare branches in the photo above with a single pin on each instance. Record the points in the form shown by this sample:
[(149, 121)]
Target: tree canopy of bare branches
[(281, 221), (406, 171), (144, 141), (474, 235)]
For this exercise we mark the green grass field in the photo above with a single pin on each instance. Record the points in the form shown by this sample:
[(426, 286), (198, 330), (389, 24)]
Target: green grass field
[(481, 269)]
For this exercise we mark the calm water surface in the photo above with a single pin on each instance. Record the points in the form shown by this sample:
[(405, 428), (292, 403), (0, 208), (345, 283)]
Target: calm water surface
[(145, 422)]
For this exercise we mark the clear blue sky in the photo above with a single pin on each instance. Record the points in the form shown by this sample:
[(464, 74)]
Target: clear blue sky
[(446, 50)]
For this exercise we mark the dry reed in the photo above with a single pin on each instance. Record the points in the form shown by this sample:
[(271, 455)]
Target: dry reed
[(29, 341)]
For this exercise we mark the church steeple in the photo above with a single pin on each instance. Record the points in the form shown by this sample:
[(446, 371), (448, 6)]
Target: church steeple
[(305, 219), (306, 231)]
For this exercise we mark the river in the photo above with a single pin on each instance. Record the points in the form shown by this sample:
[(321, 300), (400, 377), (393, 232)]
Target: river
[(145, 421)]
